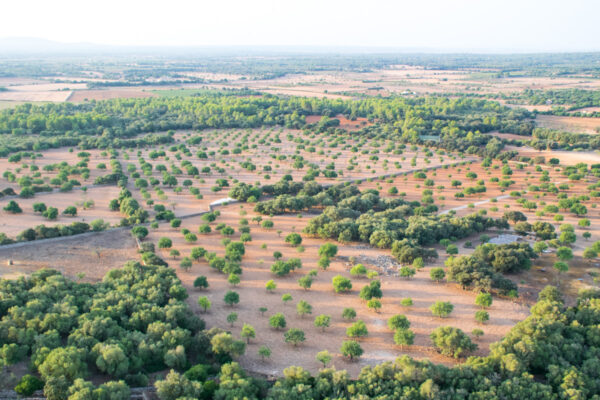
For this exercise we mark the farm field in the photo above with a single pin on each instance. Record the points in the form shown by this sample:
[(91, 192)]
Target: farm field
[(218, 168), (268, 164), (220, 201), (570, 124), (244, 227)]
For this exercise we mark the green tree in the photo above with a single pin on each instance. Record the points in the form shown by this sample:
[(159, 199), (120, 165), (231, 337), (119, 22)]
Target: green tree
[(322, 321), (294, 336), (324, 357), (71, 210), (441, 309), (204, 303), (303, 308), (224, 343), (483, 300), (589, 253), (51, 213), (111, 359), (305, 282), (264, 352), (186, 263), (277, 321), (232, 318), (482, 316), (451, 342), (286, 298), (231, 298), (407, 272), (139, 232), (270, 286), (64, 362), (452, 249), (234, 279), (341, 284), (248, 332), (477, 333), (561, 267), (418, 263), (540, 247), (38, 208), (324, 263), (564, 253), (359, 270), (374, 304), (357, 330), (349, 313), (28, 384), (351, 349), (328, 250), (13, 208), (404, 337), (294, 239), (437, 274), (176, 386), (201, 282), (372, 290), (398, 321), (406, 302), (165, 243)]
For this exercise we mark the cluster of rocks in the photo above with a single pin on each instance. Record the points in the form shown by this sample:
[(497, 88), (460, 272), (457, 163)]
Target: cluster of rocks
[(385, 265)]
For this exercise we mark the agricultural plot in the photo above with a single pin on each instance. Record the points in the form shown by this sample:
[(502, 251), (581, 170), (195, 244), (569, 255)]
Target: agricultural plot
[(343, 241), (203, 173), (206, 166)]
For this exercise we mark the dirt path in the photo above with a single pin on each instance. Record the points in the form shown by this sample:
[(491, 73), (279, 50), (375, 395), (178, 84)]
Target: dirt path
[(477, 203)]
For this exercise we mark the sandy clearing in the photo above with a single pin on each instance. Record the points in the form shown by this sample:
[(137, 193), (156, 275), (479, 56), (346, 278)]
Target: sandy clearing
[(565, 157), (26, 96), (92, 256), (572, 124), (378, 346)]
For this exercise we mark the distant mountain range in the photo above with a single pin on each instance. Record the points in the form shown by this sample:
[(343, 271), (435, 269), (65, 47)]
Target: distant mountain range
[(12, 46)]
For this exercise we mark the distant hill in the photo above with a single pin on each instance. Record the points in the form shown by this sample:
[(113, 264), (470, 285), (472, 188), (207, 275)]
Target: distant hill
[(28, 45), (32, 46)]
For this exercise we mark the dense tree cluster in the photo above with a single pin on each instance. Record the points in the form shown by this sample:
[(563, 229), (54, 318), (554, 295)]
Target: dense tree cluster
[(484, 268), (116, 123), (531, 362), (131, 324)]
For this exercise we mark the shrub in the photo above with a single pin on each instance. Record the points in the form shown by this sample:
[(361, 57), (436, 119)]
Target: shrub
[(359, 270), (13, 208), (28, 384)]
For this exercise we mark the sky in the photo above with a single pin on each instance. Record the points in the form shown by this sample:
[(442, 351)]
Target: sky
[(435, 25)]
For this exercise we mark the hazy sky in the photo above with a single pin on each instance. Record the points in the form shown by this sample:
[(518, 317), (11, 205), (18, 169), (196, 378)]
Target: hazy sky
[(472, 25)]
